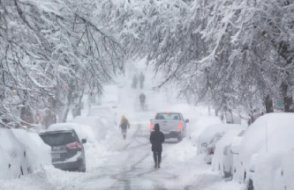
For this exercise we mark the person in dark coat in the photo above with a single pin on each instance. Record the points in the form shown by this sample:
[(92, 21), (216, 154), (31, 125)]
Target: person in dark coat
[(142, 98), (142, 78), (124, 125), (156, 139)]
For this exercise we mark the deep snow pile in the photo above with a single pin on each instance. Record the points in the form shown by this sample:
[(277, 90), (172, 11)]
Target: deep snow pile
[(37, 152), (263, 148), (12, 155), (22, 152), (270, 133)]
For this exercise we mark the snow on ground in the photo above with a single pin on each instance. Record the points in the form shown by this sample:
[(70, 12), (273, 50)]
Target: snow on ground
[(114, 163), (21, 152)]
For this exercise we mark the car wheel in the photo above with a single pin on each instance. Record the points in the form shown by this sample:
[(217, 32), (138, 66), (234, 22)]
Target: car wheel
[(180, 137), (226, 174), (82, 167)]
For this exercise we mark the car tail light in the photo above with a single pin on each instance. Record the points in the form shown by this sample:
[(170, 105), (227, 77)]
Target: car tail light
[(74, 145), (180, 125)]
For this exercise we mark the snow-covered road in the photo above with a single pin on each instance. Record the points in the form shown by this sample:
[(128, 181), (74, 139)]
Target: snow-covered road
[(128, 165), (114, 163)]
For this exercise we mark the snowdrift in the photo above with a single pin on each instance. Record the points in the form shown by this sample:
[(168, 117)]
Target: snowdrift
[(21, 152)]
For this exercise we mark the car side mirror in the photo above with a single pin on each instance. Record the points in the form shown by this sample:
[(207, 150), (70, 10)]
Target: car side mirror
[(187, 121), (84, 141)]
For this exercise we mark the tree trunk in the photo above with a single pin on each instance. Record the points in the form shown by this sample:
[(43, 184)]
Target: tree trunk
[(268, 102), (77, 110), (288, 99), (288, 102)]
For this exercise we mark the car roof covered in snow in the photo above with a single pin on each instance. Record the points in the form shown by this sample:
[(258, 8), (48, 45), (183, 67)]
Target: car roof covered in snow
[(272, 132), (63, 126), (216, 129)]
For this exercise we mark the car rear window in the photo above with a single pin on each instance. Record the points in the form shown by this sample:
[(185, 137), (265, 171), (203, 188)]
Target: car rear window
[(60, 138), (168, 116)]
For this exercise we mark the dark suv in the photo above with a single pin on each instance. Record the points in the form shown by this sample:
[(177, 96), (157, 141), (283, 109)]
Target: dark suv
[(67, 150)]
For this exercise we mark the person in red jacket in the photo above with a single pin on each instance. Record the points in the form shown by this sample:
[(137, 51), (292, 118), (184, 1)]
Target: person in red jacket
[(156, 139)]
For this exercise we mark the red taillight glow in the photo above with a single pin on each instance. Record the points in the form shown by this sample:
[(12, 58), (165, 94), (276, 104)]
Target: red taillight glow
[(74, 145), (180, 125)]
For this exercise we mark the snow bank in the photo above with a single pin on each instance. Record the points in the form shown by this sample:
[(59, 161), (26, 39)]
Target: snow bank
[(21, 152), (13, 161), (38, 153)]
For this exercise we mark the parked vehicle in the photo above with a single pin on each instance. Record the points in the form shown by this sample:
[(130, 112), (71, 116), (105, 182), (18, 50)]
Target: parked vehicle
[(261, 151), (235, 151), (67, 150), (223, 156), (172, 124), (207, 140), (285, 174), (13, 162)]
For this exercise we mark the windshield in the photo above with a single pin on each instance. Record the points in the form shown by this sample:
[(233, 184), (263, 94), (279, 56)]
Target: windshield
[(60, 138), (168, 116)]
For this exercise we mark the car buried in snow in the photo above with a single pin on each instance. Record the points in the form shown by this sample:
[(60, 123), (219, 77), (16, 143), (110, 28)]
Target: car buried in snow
[(223, 158), (172, 124), (263, 151), (67, 149), (207, 140)]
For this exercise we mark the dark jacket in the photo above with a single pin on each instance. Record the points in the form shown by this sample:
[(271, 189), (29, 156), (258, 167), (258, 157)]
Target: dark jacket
[(156, 139), (124, 123)]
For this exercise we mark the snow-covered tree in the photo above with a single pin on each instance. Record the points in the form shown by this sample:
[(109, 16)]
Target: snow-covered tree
[(50, 53)]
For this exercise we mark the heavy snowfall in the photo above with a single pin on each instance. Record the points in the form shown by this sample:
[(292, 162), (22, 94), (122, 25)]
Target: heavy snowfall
[(88, 87)]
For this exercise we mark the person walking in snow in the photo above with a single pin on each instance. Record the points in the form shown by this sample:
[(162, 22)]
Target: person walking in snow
[(124, 126), (142, 78), (135, 81), (156, 139), (142, 98)]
